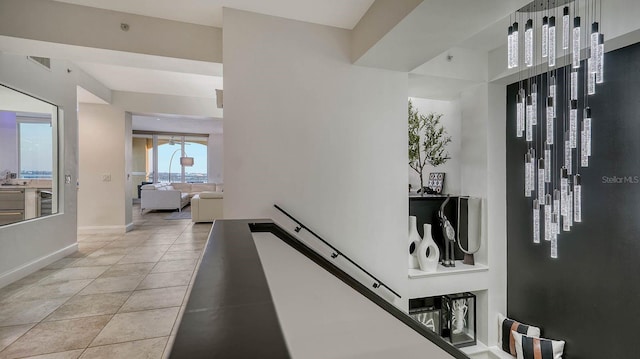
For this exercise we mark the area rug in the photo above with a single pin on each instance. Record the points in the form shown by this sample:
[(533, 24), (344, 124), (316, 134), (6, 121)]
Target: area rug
[(185, 214)]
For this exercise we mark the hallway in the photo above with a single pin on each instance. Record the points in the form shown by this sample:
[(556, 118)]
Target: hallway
[(119, 296)]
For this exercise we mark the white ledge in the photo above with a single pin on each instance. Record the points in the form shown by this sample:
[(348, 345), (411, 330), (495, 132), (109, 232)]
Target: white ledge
[(460, 268)]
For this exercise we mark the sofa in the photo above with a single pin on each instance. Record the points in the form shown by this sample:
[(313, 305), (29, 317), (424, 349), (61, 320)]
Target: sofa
[(172, 195), (206, 206)]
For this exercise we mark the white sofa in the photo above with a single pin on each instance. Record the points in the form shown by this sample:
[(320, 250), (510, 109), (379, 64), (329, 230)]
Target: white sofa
[(206, 206), (174, 195), (162, 196)]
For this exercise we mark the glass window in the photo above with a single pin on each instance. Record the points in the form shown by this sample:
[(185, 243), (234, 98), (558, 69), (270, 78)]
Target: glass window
[(196, 148), (36, 141), (170, 150)]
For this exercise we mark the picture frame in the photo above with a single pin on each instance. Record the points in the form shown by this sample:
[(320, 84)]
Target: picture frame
[(436, 182)]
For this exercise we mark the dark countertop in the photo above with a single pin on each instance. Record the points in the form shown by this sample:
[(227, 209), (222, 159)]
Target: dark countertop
[(230, 312)]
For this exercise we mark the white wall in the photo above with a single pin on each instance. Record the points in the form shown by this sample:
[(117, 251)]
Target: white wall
[(215, 158), (323, 138), (452, 123), (28, 246), (101, 203)]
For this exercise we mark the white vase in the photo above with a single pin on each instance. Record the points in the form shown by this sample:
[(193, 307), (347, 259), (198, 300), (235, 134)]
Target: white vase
[(414, 242), (428, 262)]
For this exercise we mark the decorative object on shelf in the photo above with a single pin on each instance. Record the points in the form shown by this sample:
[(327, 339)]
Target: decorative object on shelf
[(449, 234), (414, 242), (459, 319), (429, 317), (535, 347), (427, 142), (506, 326), (436, 182), (557, 131), (476, 224), (428, 252)]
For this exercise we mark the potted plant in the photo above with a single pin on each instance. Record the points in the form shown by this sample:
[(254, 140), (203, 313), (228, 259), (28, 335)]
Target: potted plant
[(427, 142)]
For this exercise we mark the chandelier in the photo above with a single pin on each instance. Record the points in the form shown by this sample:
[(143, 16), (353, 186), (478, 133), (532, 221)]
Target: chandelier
[(552, 105)]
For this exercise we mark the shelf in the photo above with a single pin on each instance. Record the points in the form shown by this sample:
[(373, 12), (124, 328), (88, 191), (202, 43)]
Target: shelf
[(460, 268), (482, 351)]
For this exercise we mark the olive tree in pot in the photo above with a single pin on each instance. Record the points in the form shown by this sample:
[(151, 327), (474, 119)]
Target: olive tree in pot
[(427, 142)]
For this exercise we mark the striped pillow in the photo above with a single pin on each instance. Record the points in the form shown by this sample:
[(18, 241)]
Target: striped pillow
[(537, 348), (506, 339)]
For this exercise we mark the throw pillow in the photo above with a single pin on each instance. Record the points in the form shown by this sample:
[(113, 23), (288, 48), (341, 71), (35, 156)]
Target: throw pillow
[(537, 348), (505, 339)]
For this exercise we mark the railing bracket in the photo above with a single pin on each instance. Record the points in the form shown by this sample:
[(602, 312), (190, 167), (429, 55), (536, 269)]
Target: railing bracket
[(334, 255), (297, 229)]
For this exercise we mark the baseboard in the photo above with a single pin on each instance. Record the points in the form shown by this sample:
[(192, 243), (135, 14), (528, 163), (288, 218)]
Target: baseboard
[(31, 267), (103, 229), (129, 227)]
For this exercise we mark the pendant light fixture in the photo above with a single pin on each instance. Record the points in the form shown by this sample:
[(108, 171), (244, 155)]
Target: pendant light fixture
[(559, 141)]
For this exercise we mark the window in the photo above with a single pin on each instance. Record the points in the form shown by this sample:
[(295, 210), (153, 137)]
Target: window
[(35, 138), (169, 149)]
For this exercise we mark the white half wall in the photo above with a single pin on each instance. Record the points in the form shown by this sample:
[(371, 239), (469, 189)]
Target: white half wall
[(326, 140), (27, 246), (452, 123), (102, 191)]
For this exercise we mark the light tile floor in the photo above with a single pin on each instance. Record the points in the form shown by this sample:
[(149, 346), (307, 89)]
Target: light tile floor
[(119, 296)]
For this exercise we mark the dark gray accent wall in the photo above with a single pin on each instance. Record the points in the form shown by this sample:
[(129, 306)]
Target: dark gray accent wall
[(590, 295)]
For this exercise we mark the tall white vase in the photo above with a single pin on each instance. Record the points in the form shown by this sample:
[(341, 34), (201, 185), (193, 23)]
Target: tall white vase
[(414, 242), (428, 263)]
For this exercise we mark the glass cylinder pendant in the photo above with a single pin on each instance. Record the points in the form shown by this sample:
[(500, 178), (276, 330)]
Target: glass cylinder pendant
[(587, 131), (573, 124), (600, 60), (515, 46), (534, 103), (564, 190), (528, 43), (528, 169), (536, 221), (574, 85), (584, 158), (554, 238), (541, 181), (547, 163), (565, 28), (576, 42), (510, 47), (552, 41), (567, 156), (570, 208), (577, 199), (545, 36), (552, 93), (529, 119), (520, 117), (556, 212), (550, 116), (591, 77), (593, 44), (547, 218), (593, 55)]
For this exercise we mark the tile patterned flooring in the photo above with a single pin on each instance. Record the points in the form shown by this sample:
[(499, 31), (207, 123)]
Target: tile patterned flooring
[(119, 296)]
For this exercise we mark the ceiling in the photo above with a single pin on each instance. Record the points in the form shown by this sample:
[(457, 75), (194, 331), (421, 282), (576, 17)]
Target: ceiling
[(339, 13), (436, 78), (132, 79)]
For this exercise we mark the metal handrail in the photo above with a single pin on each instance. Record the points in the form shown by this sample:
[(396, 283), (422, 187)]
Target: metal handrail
[(336, 252)]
